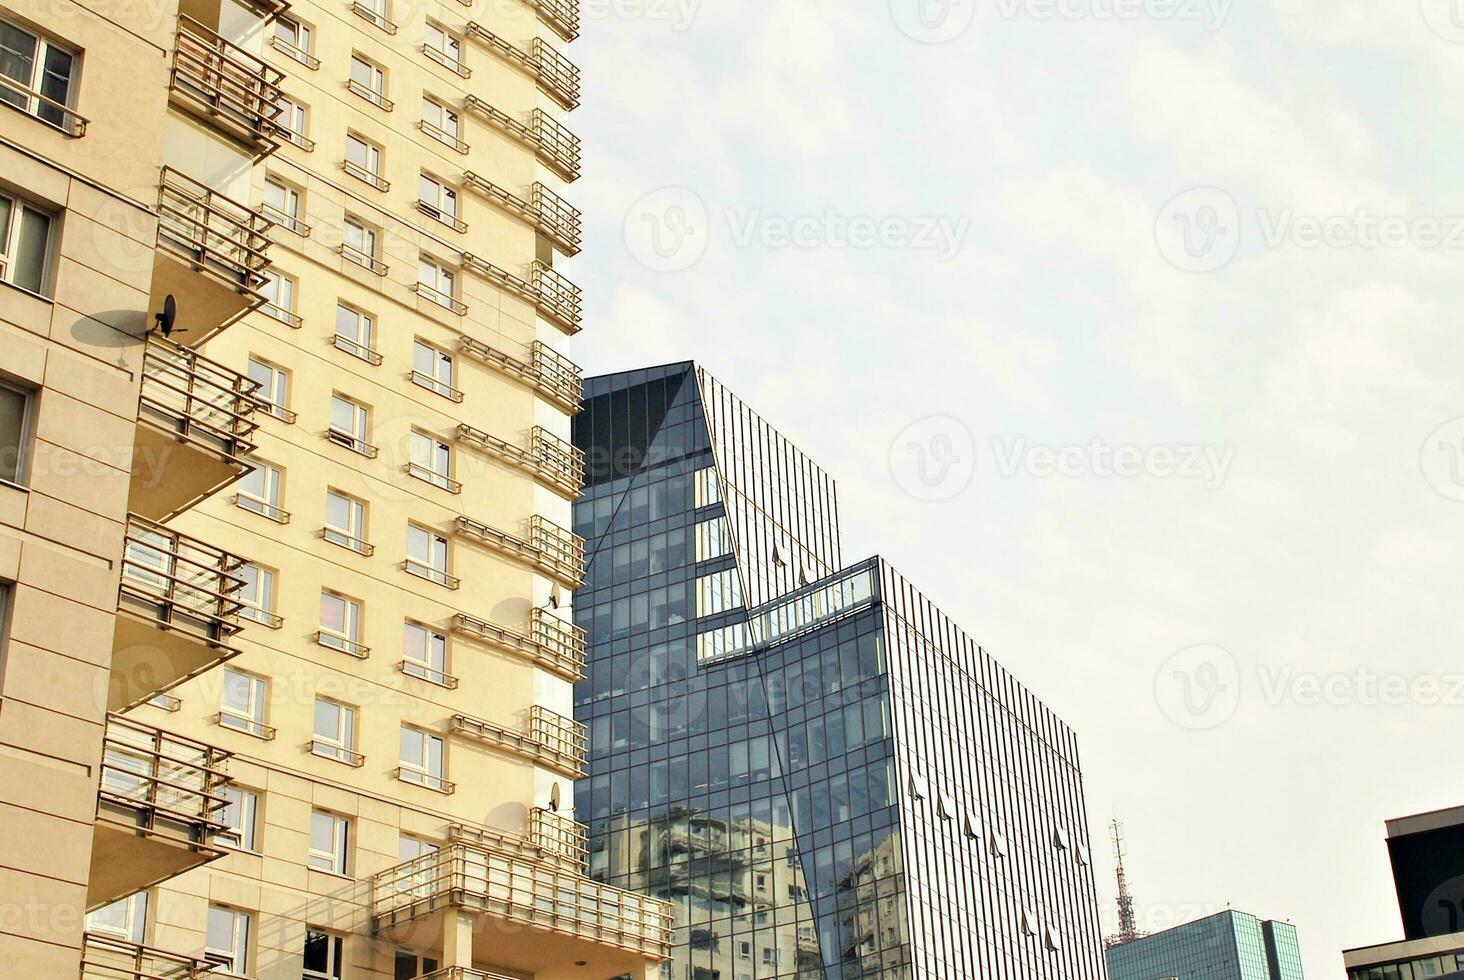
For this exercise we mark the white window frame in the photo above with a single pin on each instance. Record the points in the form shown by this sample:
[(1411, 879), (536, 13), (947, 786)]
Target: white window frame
[(440, 198), (274, 384), (347, 639), (10, 240), (370, 76), (15, 475), (429, 555), (353, 534), (438, 362), (273, 490), (370, 154), (235, 958), (258, 595), (359, 241), (302, 35), (357, 334), (356, 437), (338, 745), (241, 816), (278, 291), (437, 281), (32, 100), (442, 123), (132, 911), (445, 43), (429, 458), (251, 718), (334, 955), (432, 665), (294, 117), (419, 770), (336, 861), (290, 209)]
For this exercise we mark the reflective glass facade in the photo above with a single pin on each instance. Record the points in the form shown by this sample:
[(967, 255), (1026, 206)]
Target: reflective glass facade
[(1228, 946), (819, 769)]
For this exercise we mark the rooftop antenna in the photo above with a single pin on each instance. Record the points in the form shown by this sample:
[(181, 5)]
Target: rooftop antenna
[(1128, 923)]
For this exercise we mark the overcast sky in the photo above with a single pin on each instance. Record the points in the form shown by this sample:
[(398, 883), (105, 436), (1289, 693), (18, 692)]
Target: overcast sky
[(1128, 332)]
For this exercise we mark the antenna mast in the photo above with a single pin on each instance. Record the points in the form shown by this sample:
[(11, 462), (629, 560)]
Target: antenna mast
[(1128, 924)]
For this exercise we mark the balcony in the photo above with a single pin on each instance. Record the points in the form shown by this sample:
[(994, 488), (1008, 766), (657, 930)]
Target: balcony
[(565, 659), (159, 806), (556, 76), (212, 255), (195, 426), (106, 957), (528, 914), (560, 16), (547, 303), (554, 145), (561, 299), (555, 463), (549, 372), (548, 213), (549, 739), (178, 609), (548, 548), (225, 86)]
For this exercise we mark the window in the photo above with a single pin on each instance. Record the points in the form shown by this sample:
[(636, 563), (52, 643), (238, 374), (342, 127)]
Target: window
[(35, 75), (427, 556), (226, 943), (368, 80), (430, 459), (14, 432), (282, 203), (421, 758), (125, 919), (296, 40), (363, 161), (242, 702), (436, 282), (335, 732), (718, 592), (441, 123), (25, 238), (274, 386), (294, 119), (424, 655), (329, 842), (433, 369), (443, 47), (260, 491), (358, 243), (413, 849), (349, 423), (323, 955), (241, 816), (258, 595), (355, 332), (278, 291), (410, 848), (345, 521), (375, 11), (409, 965), (439, 201), (340, 624)]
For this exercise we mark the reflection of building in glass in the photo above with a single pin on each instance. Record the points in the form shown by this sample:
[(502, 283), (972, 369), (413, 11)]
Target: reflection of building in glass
[(820, 771), (1228, 946)]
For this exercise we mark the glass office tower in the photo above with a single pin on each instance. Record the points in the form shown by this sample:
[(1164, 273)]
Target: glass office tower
[(1228, 946), (821, 772)]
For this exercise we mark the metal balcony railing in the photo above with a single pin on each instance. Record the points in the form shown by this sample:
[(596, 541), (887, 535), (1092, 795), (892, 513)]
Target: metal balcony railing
[(560, 659), (105, 957), (446, 60), (561, 299), (23, 98), (504, 886), (296, 52), (197, 399), (549, 548), (181, 583), (462, 973), (370, 94), (549, 739), (560, 835), (556, 75), (554, 461), (547, 371), (225, 85), (213, 231), (562, 16), (169, 785), (555, 146), (373, 16), (560, 221), (564, 639)]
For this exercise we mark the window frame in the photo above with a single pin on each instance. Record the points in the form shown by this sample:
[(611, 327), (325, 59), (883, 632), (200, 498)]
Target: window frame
[(418, 771), (246, 832), (10, 241), (256, 721), (20, 477), (423, 668), (431, 380), (134, 927), (424, 445), (436, 544), (353, 538), (255, 611), (340, 745), (236, 958), (353, 614), (270, 505), (274, 388), (36, 101), (339, 856), (334, 955)]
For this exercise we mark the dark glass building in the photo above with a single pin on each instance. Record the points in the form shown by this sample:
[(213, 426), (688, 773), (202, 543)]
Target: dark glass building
[(816, 766), (1227, 946)]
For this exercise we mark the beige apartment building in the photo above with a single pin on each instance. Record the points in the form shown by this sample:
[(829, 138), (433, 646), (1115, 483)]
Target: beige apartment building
[(284, 487)]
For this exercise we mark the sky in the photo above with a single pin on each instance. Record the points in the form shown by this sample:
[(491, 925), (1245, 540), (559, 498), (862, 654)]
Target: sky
[(1129, 331)]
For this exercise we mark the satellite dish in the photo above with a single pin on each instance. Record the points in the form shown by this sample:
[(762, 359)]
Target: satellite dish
[(168, 317), (554, 798), (554, 596)]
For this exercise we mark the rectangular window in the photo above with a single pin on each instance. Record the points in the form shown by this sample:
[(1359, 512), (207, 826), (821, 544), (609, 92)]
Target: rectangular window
[(427, 556), (282, 203), (355, 333), (441, 123), (258, 595), (329, 842), (241, 816), (436, 282), (323, 955), (274, 385), (335, 732), (294, 33), (15, 409), (433, 369), (438, 200), (368, 80), (278, 291), (242, 702), (424, 655), (708, 489), (713, 539), (358, 243), (226, 942), (718, 592), (294, 118), (25, 239), (421, 758), (345, 521), (261, 489), (340, 624), (430, 459), (125, 919), (36, 75), (444, 47), (363, 160), (408, 965), (349, 425)]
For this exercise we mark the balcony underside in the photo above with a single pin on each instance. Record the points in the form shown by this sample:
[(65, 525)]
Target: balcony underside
[(149, 657), (210, 294), (504, 942), (175, 465), (132, 850)]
